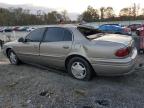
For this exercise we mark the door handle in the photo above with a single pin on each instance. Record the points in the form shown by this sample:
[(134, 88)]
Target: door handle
[(66, 47)]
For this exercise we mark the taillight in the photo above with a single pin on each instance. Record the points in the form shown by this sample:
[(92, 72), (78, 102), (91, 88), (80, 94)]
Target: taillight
[(123, 52)]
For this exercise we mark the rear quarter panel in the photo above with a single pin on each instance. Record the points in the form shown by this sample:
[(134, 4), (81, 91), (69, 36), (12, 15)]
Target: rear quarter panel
[(102, 49)]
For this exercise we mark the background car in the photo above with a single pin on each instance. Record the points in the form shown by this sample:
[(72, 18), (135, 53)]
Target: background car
[(1, 29), (30, 29), (140, 30), (115, 25), (15, 28), (110, 28), (22, 28), (134, 27), (7, 29)]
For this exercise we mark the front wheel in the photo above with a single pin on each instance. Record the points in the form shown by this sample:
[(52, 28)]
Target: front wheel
[(13, 57), (79, 68)]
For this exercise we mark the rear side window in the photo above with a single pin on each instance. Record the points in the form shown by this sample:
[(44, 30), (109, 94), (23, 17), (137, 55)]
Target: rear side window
[(67, 35), (56, 34), (36, 35)]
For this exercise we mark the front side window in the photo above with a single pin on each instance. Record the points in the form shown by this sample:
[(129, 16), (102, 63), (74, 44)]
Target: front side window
[(56, 34), (36, 35)]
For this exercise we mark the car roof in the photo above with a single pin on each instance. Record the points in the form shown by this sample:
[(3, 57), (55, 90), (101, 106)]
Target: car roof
[(70, 26), (135, 24), (111, 26), (61, 25)]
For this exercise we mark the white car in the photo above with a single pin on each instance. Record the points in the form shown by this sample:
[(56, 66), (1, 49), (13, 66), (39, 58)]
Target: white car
[(30, 29)]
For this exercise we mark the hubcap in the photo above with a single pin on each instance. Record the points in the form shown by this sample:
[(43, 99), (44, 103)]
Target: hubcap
[(13, 58), (78, 70)]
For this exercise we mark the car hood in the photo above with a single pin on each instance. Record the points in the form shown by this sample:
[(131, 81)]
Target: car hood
[(123, 39), (11, 43)]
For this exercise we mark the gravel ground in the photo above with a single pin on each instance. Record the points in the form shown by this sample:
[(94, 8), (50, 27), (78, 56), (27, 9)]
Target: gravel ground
[(27, 86)]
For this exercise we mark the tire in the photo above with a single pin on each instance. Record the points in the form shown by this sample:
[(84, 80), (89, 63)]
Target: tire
[(79, 68), (141, 51), (117, 33), (138, 33), (13, 57)]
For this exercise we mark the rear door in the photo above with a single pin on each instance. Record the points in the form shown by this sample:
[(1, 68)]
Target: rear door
[(55, 46), (29, 50)]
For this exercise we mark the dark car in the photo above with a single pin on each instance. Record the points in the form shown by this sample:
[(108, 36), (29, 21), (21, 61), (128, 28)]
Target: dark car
[(22, 28), (8, 29), (15, 28), (134, 27), (111, 28), (140, 30)]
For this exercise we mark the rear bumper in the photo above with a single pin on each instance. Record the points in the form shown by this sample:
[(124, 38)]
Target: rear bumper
[(116, 67)]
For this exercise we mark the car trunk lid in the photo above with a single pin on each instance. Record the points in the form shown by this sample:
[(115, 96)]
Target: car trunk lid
[(123, 39)]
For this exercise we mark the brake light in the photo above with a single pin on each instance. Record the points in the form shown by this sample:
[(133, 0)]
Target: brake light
[(123, 52)]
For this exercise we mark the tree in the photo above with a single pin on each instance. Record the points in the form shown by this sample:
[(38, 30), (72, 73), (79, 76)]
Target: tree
[(130, 12), (102, 12), (19, 16), (80, 18), (64, 14), (142, 11), (52, 17), (135, 10), (90, 14), (125, 12), (109, 12)]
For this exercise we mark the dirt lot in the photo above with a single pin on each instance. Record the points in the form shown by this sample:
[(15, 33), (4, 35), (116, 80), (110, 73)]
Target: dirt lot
[(27, 86)]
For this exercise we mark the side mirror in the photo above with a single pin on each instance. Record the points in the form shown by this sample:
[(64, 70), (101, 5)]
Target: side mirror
[(21, 39)]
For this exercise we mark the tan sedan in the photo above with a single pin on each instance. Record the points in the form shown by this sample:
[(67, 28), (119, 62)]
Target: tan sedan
[(80, 50)]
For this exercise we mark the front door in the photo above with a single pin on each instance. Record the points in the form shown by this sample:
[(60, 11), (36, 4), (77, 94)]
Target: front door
[(55, 46), (28, 51)]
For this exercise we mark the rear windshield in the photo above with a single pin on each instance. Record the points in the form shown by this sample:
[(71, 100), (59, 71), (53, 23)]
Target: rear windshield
[(90, 33)]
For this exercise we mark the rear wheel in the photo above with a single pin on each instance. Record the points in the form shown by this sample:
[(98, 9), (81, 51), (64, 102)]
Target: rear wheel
[(79, 68), (13, 57), (141, 51)]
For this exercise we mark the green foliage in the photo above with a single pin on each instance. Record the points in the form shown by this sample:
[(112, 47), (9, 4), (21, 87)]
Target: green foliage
[(10, 17), (108, 14), (90, 15)]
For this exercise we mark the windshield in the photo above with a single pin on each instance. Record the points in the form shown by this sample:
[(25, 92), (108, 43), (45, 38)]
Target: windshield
[(90, 33)]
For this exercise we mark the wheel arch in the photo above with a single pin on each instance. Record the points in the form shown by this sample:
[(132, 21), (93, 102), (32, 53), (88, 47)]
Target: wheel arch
[(7, 50), (76, 55)]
